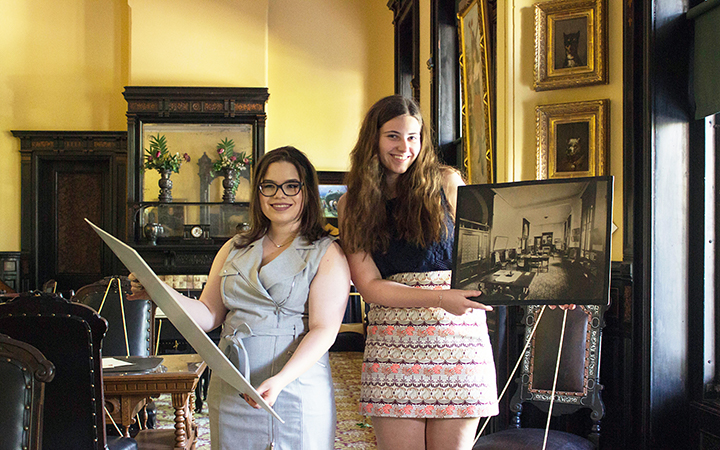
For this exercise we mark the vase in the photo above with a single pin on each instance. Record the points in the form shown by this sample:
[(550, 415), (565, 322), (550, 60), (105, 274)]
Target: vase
[(152, 231), (229, 185), (165, 184)]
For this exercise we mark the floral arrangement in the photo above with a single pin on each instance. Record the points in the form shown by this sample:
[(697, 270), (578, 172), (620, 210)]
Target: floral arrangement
[(228, 159), (158, 157)]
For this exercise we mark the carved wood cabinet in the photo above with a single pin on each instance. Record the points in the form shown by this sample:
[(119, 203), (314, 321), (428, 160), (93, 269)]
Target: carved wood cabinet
[(181, 235)]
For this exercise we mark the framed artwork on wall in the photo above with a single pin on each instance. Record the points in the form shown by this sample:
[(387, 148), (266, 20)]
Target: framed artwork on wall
[(478, 152), (331, 187), (572, 139), (570, 44)]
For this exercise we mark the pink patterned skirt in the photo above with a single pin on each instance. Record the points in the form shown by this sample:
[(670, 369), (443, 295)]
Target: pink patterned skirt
[(426, 362)]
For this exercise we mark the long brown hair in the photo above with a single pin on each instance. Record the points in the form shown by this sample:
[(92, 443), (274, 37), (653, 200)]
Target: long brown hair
[(312, 222), (419, 213)]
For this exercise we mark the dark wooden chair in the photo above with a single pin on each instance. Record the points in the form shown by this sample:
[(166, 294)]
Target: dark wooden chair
[(70, 335), (577, 386), (23, 374)]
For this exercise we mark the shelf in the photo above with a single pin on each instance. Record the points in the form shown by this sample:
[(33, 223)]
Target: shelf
[(138, 205)]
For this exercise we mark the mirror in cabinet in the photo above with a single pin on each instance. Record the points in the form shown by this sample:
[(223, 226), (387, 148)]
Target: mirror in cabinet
[(197, 179)]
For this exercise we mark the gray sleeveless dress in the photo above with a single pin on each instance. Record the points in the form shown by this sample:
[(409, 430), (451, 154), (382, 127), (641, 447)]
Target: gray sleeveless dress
[(267, 320)]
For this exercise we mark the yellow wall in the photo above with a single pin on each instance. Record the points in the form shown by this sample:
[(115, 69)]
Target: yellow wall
[(198, 43), (328, 63), (63, 66), (516, 99)]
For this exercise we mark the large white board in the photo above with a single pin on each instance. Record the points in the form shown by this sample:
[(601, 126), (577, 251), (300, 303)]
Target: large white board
[(178, 316)]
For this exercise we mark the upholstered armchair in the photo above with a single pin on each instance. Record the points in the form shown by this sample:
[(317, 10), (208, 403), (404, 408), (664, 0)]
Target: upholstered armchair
[(130, 322), (23, 374), (130, 327), (70, 335)]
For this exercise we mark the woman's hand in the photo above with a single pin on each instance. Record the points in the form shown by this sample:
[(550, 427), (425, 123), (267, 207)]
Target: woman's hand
[(138, 291), (268, 390), (456, 301), (564, 307)]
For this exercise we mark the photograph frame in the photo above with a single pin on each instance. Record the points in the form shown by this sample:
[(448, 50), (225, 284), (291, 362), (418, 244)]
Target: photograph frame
[(565, 125), (561, 61), (330, 182), (550, 271), (477, 101)]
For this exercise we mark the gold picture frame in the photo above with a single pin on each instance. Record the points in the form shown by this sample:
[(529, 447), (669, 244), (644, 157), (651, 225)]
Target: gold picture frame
[(570, 44), (478, 152), (572, 139)]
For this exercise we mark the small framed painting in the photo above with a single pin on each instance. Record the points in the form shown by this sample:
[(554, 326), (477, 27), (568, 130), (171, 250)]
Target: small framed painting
[(572, 139), (570, 44), (331, 188)]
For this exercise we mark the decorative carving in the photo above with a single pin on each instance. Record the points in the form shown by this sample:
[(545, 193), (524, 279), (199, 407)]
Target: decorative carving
[(180, 106), (248, 107), (43, 144), (214, 106), (143, 106)]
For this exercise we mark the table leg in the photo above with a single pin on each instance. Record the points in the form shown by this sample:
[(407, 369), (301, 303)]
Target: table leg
[(180, 402), (124, 409)]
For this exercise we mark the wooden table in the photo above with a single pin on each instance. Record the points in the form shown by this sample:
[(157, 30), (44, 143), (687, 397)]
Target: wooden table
[(127, 393), (539, 261)]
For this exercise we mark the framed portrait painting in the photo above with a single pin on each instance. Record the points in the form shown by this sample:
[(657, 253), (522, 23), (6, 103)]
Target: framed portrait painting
[(570, 44), (478, 154), (572, 139)]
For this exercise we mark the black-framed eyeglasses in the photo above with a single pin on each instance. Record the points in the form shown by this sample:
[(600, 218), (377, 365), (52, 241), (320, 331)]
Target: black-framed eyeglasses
[(290, 188)]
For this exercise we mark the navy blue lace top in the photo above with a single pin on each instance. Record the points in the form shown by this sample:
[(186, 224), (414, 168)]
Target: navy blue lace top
[(402, 256)]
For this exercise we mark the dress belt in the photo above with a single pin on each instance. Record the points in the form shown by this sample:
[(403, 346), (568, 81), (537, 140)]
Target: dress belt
[(235, 347)]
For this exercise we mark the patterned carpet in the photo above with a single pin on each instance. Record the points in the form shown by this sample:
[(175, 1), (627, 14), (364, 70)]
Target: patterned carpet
[(353, 430)]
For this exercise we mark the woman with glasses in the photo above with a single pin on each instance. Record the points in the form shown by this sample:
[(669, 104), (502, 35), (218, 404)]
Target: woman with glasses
[(279, 289)]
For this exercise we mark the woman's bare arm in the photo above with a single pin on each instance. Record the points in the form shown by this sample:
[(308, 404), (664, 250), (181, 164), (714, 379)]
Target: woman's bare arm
[(209, 311)]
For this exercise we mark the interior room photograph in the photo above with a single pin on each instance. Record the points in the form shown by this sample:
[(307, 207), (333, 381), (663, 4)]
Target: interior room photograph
[(534, 242), (148, 118)]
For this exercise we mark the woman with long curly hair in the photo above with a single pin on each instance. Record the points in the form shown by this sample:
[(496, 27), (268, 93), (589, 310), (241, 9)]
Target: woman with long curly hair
[(279, 289), (428, 373)]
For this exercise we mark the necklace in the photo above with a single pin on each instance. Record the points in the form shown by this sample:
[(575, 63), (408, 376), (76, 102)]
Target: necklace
[(282, 245)]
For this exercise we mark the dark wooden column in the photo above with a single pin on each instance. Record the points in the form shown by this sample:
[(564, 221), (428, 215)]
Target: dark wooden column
[(659, 135)]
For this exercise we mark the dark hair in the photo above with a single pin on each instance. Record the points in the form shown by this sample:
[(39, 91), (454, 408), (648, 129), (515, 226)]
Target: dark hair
[(419, 216), (312, 221)]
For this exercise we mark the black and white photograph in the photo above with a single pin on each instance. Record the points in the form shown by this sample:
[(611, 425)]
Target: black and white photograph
[(538, 242)]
